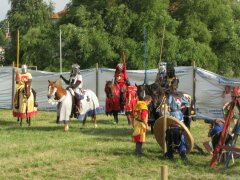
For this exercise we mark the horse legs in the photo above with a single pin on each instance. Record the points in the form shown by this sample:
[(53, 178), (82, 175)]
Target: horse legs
[(115, 115), (129, 119), (66, 127), (84, 121), (57, 121), (20, 121), (94, 120), (29, 121)]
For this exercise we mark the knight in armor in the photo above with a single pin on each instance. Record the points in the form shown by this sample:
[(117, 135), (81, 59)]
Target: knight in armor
[(165, 75), (20, 79), (75, 83), (175, 138), (162, 74), (121, 80)]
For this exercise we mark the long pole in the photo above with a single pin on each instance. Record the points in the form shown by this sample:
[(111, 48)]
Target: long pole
[(18, 40), (60, 50), (161, 48), (145, 56), (97, 79), (13, 84), (60, 54), (194, 84)]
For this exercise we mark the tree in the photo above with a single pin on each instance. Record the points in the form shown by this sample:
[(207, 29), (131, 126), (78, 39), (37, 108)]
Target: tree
[(23, 16)]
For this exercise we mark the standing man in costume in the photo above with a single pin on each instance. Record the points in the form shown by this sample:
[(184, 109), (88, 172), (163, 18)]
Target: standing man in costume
[(75, 83), (175, 138), (20, 79), (141, 123)]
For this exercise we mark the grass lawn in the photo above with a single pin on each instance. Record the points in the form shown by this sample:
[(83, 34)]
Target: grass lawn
[(45, 151)]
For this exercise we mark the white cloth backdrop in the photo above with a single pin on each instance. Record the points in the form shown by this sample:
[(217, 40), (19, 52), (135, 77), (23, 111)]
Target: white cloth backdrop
[(208, 91)]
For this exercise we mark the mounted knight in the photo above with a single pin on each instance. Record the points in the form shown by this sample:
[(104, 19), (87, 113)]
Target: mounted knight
[(165, 75), (121, 82), (75, 84), (20, 80)]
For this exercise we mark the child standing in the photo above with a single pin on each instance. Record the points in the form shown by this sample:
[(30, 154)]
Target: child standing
[(141, 123)]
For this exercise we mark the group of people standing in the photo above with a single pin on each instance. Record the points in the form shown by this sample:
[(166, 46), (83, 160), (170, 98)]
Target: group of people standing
[(175, 102)]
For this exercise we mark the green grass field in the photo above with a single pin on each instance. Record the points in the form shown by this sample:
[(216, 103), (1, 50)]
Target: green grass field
[(45, 151)]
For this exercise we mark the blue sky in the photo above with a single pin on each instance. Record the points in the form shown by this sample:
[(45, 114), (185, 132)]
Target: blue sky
[(4, 7)]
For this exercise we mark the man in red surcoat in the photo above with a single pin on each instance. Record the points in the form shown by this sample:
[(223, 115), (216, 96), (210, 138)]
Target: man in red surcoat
[(120, 81), (121, 77)]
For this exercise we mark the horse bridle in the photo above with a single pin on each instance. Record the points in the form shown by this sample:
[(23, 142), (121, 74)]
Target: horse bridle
[(53, 92)]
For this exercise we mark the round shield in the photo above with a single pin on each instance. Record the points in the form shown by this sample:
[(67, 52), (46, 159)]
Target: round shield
[(158, 131)]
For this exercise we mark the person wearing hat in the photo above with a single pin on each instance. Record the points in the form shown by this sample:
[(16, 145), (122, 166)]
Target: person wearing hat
[(20, 79), (140, 126), (75, 83)]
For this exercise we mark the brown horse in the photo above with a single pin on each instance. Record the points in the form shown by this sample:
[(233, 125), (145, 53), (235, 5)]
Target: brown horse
[(115, 100), (64, 99), (26, 104), (89, 104), (158, 95)]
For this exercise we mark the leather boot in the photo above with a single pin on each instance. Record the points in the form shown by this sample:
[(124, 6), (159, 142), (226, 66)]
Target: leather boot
[(34, 97), (138, 148), (17, 100), (78, 105)]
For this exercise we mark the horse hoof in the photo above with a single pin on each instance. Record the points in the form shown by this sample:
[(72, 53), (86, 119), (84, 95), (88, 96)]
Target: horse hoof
[(66, 127), (95, 126)]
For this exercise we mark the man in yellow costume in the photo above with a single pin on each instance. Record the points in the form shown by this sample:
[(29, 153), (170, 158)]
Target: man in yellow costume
[(141, 123), (20, 79)]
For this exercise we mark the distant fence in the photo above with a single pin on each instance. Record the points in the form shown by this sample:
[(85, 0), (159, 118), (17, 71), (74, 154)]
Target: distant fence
[(208, 86)]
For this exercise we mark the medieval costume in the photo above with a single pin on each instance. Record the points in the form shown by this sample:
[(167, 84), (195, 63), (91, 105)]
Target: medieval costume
[(120, 82), (75, 84), (141, 123), (20, 79), (175, 138)]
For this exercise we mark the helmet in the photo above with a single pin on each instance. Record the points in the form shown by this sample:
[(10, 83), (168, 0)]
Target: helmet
[(170, 70), (163, 68), (75, 69), (24, 68), (119, 67)]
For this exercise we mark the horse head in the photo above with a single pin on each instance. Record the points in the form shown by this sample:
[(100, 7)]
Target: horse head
[(27, 89), (109, 89), (155, 90), (141, 91), (55, 90)]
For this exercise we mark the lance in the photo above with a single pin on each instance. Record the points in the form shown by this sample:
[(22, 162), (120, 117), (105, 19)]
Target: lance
[(145, 56)]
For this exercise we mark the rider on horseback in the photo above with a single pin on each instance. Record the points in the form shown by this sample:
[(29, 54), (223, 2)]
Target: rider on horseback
[(165, 75), (20, 79), (121, 80), (75, 83)]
